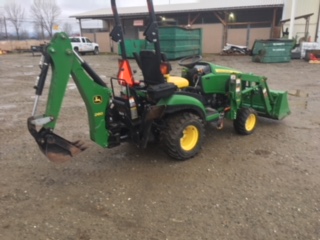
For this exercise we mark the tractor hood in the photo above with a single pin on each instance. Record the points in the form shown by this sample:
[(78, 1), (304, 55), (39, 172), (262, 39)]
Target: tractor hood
[(217, 69)]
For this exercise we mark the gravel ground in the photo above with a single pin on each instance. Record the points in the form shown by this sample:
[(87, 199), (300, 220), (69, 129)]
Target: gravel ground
[(262, 186)]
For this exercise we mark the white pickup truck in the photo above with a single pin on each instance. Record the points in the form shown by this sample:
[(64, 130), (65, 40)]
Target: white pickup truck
[(83, 45)]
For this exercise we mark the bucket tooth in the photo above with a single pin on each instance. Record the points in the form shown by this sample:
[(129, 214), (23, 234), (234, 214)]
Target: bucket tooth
[(80, 144)]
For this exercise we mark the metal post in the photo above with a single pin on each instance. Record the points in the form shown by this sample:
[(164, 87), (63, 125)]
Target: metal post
[(248, 35), (293, 12), (316, 37), (273, 23), (306, 31), (80, 25), (225, 29)]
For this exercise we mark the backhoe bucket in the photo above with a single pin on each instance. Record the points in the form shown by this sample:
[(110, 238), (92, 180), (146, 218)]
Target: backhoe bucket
[(281, 104), (56, 148)]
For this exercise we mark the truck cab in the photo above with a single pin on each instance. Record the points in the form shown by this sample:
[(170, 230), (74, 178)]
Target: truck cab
[(84, 45)]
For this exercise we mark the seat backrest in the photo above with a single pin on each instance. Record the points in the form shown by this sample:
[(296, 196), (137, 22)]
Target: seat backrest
[(150, 67)]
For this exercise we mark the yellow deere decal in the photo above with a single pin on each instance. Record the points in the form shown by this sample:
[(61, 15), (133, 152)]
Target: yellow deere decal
[(226, 71), (97, 99), (99, 114)]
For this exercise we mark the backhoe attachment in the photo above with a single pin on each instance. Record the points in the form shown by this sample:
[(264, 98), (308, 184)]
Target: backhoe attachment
[(54, 147), (64, 62)]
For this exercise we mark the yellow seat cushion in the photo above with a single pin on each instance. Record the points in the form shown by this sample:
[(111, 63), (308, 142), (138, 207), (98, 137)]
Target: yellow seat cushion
[(180, 82)]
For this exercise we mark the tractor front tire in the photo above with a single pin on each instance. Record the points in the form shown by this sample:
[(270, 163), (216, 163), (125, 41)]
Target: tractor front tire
[(246, 121), (183, 136)]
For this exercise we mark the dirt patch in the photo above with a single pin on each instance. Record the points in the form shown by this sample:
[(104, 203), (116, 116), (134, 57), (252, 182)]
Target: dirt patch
[(262, 186)]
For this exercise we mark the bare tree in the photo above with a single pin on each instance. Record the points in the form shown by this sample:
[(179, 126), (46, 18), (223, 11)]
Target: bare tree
[(15, 15), (3, 27), (24, 34), (39, 34), (67, 28), (45, 12)]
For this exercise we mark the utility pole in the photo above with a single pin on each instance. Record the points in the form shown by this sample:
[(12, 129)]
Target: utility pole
[(5, 27), (42, 30)]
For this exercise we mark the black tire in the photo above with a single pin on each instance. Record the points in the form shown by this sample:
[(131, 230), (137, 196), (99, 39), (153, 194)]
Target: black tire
[(96, 51), (183, 137), (76, 49), (246, 121)]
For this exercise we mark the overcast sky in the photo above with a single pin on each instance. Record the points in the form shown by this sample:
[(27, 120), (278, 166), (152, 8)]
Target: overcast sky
[(72, 7)]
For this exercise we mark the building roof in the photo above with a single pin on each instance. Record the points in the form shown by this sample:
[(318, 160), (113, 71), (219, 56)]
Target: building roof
[(200, 5)]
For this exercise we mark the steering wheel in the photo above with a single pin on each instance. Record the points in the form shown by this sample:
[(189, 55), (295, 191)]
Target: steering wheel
[(189, 61)]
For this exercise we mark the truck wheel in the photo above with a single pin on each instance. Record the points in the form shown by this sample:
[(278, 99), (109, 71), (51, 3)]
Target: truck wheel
[(246, 121), (183, 137), (76, 50), (96, 51)]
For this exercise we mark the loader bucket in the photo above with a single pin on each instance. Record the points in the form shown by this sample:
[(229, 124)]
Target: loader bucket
[(280, 104), (54, 147)]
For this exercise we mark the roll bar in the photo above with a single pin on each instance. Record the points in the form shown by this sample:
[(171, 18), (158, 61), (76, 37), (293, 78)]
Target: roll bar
[(117, 32), (152, 31)]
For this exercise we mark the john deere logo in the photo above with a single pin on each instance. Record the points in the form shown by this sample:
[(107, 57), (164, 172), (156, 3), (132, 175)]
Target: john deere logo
[(97, 99)]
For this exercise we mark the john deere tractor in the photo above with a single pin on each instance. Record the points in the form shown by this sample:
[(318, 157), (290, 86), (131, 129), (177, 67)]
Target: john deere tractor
[(153, 109)]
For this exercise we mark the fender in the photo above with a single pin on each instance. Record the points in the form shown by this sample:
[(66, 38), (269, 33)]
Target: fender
[(178, 102)]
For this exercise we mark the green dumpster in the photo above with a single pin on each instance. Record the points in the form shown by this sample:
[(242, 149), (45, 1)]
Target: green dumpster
[(178, 42), (132, 45), (272, 50)]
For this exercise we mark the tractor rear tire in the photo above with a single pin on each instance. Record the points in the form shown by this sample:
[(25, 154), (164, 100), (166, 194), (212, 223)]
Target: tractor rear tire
[(246, 121), (183, 137)]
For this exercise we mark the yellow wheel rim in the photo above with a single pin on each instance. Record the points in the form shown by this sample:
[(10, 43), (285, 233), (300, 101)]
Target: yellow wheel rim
[(251, 122), (190, 138)]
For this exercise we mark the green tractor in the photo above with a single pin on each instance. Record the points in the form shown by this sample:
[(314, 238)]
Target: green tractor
[(154, 109)]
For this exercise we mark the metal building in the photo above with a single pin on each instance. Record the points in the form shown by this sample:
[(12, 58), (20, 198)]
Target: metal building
[(229, 21)]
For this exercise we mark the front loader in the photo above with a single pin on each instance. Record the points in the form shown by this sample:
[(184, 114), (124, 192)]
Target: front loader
[(155, 110)]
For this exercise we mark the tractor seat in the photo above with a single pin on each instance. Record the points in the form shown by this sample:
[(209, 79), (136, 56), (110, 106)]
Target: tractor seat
[(150, 67)]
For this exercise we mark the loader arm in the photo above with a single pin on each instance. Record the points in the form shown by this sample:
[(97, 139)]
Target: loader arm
[(94, 92)]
